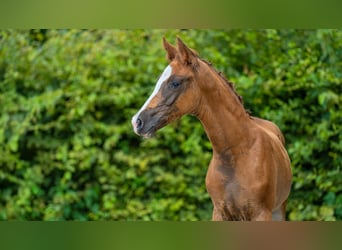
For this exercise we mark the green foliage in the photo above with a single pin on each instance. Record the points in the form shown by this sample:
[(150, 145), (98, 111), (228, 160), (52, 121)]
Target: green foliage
[(67, 97)]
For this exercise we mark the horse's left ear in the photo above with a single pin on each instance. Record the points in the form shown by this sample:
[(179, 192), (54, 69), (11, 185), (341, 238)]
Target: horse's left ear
[(187, 55)]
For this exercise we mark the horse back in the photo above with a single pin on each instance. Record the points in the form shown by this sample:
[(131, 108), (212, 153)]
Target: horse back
[(270, 127)]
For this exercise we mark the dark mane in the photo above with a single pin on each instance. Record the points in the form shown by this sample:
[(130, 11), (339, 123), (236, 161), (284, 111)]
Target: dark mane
[(230, 84)]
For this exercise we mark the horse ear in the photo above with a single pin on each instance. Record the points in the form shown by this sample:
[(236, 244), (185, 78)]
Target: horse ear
[(186, 54), (170, 49)]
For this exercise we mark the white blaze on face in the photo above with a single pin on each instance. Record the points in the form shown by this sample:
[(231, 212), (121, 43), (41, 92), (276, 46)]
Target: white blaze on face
[(165, 75)]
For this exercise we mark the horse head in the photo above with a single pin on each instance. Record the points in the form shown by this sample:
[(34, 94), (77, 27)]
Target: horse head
[(175, 94)]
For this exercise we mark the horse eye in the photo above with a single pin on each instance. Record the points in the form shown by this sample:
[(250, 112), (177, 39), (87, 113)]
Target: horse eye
[(175, 84)]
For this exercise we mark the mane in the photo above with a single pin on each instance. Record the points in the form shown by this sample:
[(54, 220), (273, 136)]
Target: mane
[(229, 83)]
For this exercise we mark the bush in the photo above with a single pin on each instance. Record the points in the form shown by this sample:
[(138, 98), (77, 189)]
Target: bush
[(67, 97)]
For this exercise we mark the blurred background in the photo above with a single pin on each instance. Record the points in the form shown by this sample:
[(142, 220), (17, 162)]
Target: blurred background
[(68, 152)]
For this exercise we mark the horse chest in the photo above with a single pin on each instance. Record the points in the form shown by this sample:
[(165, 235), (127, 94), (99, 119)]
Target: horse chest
[(222, 183), (231, 198)]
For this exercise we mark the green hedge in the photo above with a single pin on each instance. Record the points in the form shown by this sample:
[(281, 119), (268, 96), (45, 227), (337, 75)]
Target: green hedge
[(67, 150)]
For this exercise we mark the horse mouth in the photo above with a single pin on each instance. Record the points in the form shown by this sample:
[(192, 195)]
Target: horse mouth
[(149, 134)]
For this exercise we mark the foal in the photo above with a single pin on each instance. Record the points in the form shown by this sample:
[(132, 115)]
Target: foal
[(249, 176)]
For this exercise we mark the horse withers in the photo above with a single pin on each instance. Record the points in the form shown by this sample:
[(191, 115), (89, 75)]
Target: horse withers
[(249, 176)]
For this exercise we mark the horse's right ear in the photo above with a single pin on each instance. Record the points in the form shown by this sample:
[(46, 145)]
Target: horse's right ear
[(170, 49), (186, 55)]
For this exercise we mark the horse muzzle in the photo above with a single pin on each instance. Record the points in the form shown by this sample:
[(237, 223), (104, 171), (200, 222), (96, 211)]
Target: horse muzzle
[(146, 123)]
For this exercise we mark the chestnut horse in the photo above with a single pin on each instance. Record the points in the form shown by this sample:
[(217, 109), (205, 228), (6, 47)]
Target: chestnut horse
[(249, 176)]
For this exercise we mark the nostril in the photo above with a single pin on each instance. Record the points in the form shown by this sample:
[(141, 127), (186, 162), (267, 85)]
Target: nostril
[(139, 123)]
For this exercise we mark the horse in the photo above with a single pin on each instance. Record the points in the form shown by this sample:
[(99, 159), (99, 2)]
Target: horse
[(249, 176)]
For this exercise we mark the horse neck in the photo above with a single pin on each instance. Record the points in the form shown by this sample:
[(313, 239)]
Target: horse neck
[(222, 115)]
